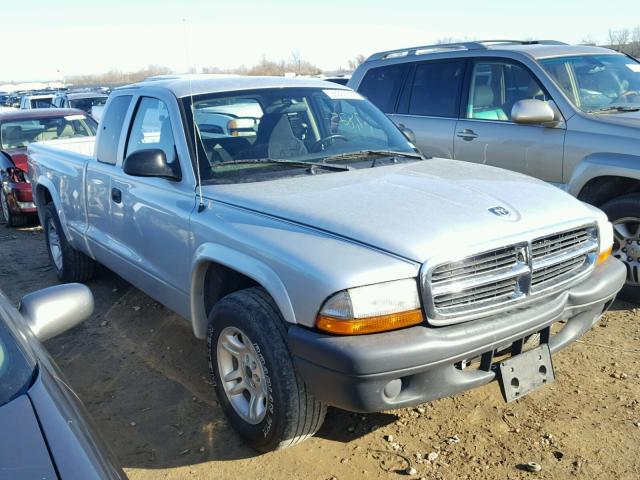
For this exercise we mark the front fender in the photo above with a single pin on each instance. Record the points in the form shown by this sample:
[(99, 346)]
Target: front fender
[(603, 165), (242, 263)]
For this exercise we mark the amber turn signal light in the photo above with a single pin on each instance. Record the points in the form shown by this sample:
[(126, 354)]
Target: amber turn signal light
[(603, 256), (360, 326)]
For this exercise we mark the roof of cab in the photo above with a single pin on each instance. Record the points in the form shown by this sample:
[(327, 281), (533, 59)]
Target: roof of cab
[(186, 85)]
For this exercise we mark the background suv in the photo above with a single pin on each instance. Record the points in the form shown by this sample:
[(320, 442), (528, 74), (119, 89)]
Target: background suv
[(562, 113)]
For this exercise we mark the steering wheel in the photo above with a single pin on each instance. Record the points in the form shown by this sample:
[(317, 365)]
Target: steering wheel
[(626, 96), (328, 139)]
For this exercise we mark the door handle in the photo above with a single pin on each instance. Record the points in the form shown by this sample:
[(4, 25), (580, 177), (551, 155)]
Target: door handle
[(116, 195), (467, 134)]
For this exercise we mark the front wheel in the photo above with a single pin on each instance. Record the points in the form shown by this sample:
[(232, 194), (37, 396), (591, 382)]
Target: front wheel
[(624, 214), (69, 264), (265, 400)]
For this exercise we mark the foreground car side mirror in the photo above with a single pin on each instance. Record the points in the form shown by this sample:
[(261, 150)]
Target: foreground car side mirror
[(150, 162), (532, 111), (54, 310)]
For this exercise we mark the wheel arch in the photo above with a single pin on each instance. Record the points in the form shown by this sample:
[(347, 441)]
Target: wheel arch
[(45, 193), (218, 270), (601, 177)]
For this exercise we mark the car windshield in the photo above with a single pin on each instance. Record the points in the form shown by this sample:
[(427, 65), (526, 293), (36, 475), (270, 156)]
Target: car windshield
[(597, 83), (20, 133), (85, 104), (16, 370), (290, 125)]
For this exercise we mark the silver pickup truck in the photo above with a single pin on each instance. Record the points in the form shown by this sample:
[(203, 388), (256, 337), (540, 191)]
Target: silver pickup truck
[(322, 257)]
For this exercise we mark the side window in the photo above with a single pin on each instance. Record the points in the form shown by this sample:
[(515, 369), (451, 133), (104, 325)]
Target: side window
[(496, 86), (435, 89), (110, 129), (151, 128), (381, 86)]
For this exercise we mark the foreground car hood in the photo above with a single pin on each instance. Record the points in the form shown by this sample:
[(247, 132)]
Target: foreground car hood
[(414, 210)]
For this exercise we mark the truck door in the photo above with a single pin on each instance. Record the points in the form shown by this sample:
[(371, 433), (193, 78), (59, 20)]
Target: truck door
[(150, 215), (98, 180), (485, 133)]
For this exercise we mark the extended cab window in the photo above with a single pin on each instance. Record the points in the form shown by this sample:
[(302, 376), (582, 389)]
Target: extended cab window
[(381, 85), (152, 129), (436, 88), (110, 129), (496, 86)]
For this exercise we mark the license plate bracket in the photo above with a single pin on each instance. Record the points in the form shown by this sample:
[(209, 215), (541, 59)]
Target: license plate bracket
[(526, 372)]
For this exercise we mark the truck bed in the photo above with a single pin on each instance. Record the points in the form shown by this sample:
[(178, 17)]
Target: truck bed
[(60, 165)]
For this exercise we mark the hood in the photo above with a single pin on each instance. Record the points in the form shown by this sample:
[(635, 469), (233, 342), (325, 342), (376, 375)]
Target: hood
[(416, 210), (19, 158), (625, 119)]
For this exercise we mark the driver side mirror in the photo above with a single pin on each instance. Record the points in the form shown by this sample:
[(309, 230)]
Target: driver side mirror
[(408, 133), (151, 162), (532, 111), (54, 310)]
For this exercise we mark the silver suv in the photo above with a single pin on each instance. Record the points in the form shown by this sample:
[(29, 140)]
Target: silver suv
[(563, 113)]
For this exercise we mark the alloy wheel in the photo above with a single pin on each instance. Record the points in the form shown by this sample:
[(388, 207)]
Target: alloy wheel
[(242, 375), (626, 246), (54, 245)]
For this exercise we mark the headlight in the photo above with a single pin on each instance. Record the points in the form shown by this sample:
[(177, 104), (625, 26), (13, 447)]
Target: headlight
[(605, 234), (373, 308)]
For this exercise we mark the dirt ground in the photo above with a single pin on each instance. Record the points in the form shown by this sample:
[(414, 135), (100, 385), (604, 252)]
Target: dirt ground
[(143, 377)]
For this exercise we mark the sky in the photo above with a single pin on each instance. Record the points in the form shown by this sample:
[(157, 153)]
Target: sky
[(49, 39)]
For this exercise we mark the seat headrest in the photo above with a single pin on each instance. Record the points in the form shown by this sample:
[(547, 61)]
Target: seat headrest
[(483, 96), (12, 136)]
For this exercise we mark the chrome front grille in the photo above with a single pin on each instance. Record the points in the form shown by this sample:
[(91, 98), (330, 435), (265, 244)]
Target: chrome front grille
[(558, 258), (491, 281)]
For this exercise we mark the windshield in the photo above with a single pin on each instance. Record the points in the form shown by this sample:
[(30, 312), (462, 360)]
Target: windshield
[(85, 104), (20, 133), (292, 124), (596, 83)]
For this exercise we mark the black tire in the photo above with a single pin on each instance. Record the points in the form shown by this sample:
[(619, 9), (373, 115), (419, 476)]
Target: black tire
[(292, 413), (11, 219), (75, 266), (627, 206)]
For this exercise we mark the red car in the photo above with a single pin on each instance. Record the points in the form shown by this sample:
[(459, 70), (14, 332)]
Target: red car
[(17, 130)]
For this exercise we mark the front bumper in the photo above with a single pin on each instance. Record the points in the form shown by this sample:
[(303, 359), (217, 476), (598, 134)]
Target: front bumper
[(407, 367)]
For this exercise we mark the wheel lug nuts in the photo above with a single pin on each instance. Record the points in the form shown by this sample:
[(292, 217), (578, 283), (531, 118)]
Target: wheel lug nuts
[(629, 259), (624, 249), (629, 242)]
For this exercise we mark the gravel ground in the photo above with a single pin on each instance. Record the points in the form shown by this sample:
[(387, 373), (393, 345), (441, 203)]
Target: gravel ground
[(143, 377)]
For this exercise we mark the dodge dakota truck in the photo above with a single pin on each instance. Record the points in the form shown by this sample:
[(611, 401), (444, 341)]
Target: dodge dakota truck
[(322, 257)]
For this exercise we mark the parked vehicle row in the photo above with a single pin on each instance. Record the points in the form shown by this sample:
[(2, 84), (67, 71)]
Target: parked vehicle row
[(567, 114), (321, 256)]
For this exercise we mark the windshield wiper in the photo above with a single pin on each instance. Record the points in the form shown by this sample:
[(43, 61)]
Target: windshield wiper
[(371, 153), (292, 163), (618, 108)]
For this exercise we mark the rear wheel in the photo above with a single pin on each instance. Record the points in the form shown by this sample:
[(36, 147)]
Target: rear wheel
[(69, 264), (624, 214), (11, 219), (265, 400)]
